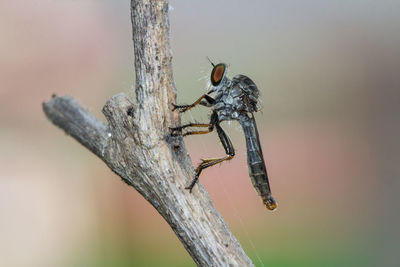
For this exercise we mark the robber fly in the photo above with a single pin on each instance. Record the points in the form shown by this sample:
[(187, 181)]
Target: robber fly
[(235, 99)]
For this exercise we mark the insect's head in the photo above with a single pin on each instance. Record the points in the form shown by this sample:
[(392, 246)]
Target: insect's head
[(218, 73)]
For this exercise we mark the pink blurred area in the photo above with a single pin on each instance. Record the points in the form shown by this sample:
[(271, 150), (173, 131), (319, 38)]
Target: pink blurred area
[(328, 74)]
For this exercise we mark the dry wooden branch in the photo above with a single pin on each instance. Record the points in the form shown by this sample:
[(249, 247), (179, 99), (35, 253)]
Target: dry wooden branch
[(136, 143)]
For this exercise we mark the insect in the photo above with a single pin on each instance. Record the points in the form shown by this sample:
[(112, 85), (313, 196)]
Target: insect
[(235, 99)]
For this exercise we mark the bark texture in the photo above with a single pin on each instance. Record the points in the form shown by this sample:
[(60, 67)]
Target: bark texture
[(136, 143)]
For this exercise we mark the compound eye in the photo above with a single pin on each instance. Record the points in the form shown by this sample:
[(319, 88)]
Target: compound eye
[(217, 73)]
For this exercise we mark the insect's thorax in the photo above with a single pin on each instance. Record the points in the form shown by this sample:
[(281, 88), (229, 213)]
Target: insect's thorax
[(237, 97)]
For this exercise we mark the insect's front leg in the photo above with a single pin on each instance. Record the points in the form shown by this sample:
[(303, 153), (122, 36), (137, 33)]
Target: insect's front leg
[(209, 101)]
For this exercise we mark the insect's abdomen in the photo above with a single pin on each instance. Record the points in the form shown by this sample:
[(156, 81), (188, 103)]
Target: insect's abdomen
[(255, 162)]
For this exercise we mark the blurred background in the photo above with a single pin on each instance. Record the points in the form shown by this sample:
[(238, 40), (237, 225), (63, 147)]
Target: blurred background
[(329, 76)]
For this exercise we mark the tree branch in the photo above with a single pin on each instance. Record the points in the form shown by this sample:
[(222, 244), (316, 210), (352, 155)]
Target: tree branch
[(136, 143), (66, 113)]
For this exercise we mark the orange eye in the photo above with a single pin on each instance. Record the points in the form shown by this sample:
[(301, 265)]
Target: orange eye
[(217, 73)]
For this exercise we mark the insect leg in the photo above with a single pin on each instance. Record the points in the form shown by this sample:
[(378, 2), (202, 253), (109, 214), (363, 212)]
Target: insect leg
[(229, 150), (209, 130), (226, 142), (178, 130), (182, 108), (208, 102)]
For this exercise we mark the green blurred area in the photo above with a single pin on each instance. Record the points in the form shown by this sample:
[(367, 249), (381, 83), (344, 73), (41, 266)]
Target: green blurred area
[(328, 75)]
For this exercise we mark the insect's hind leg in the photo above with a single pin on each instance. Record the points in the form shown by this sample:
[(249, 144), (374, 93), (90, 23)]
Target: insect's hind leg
[(229, 150)]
